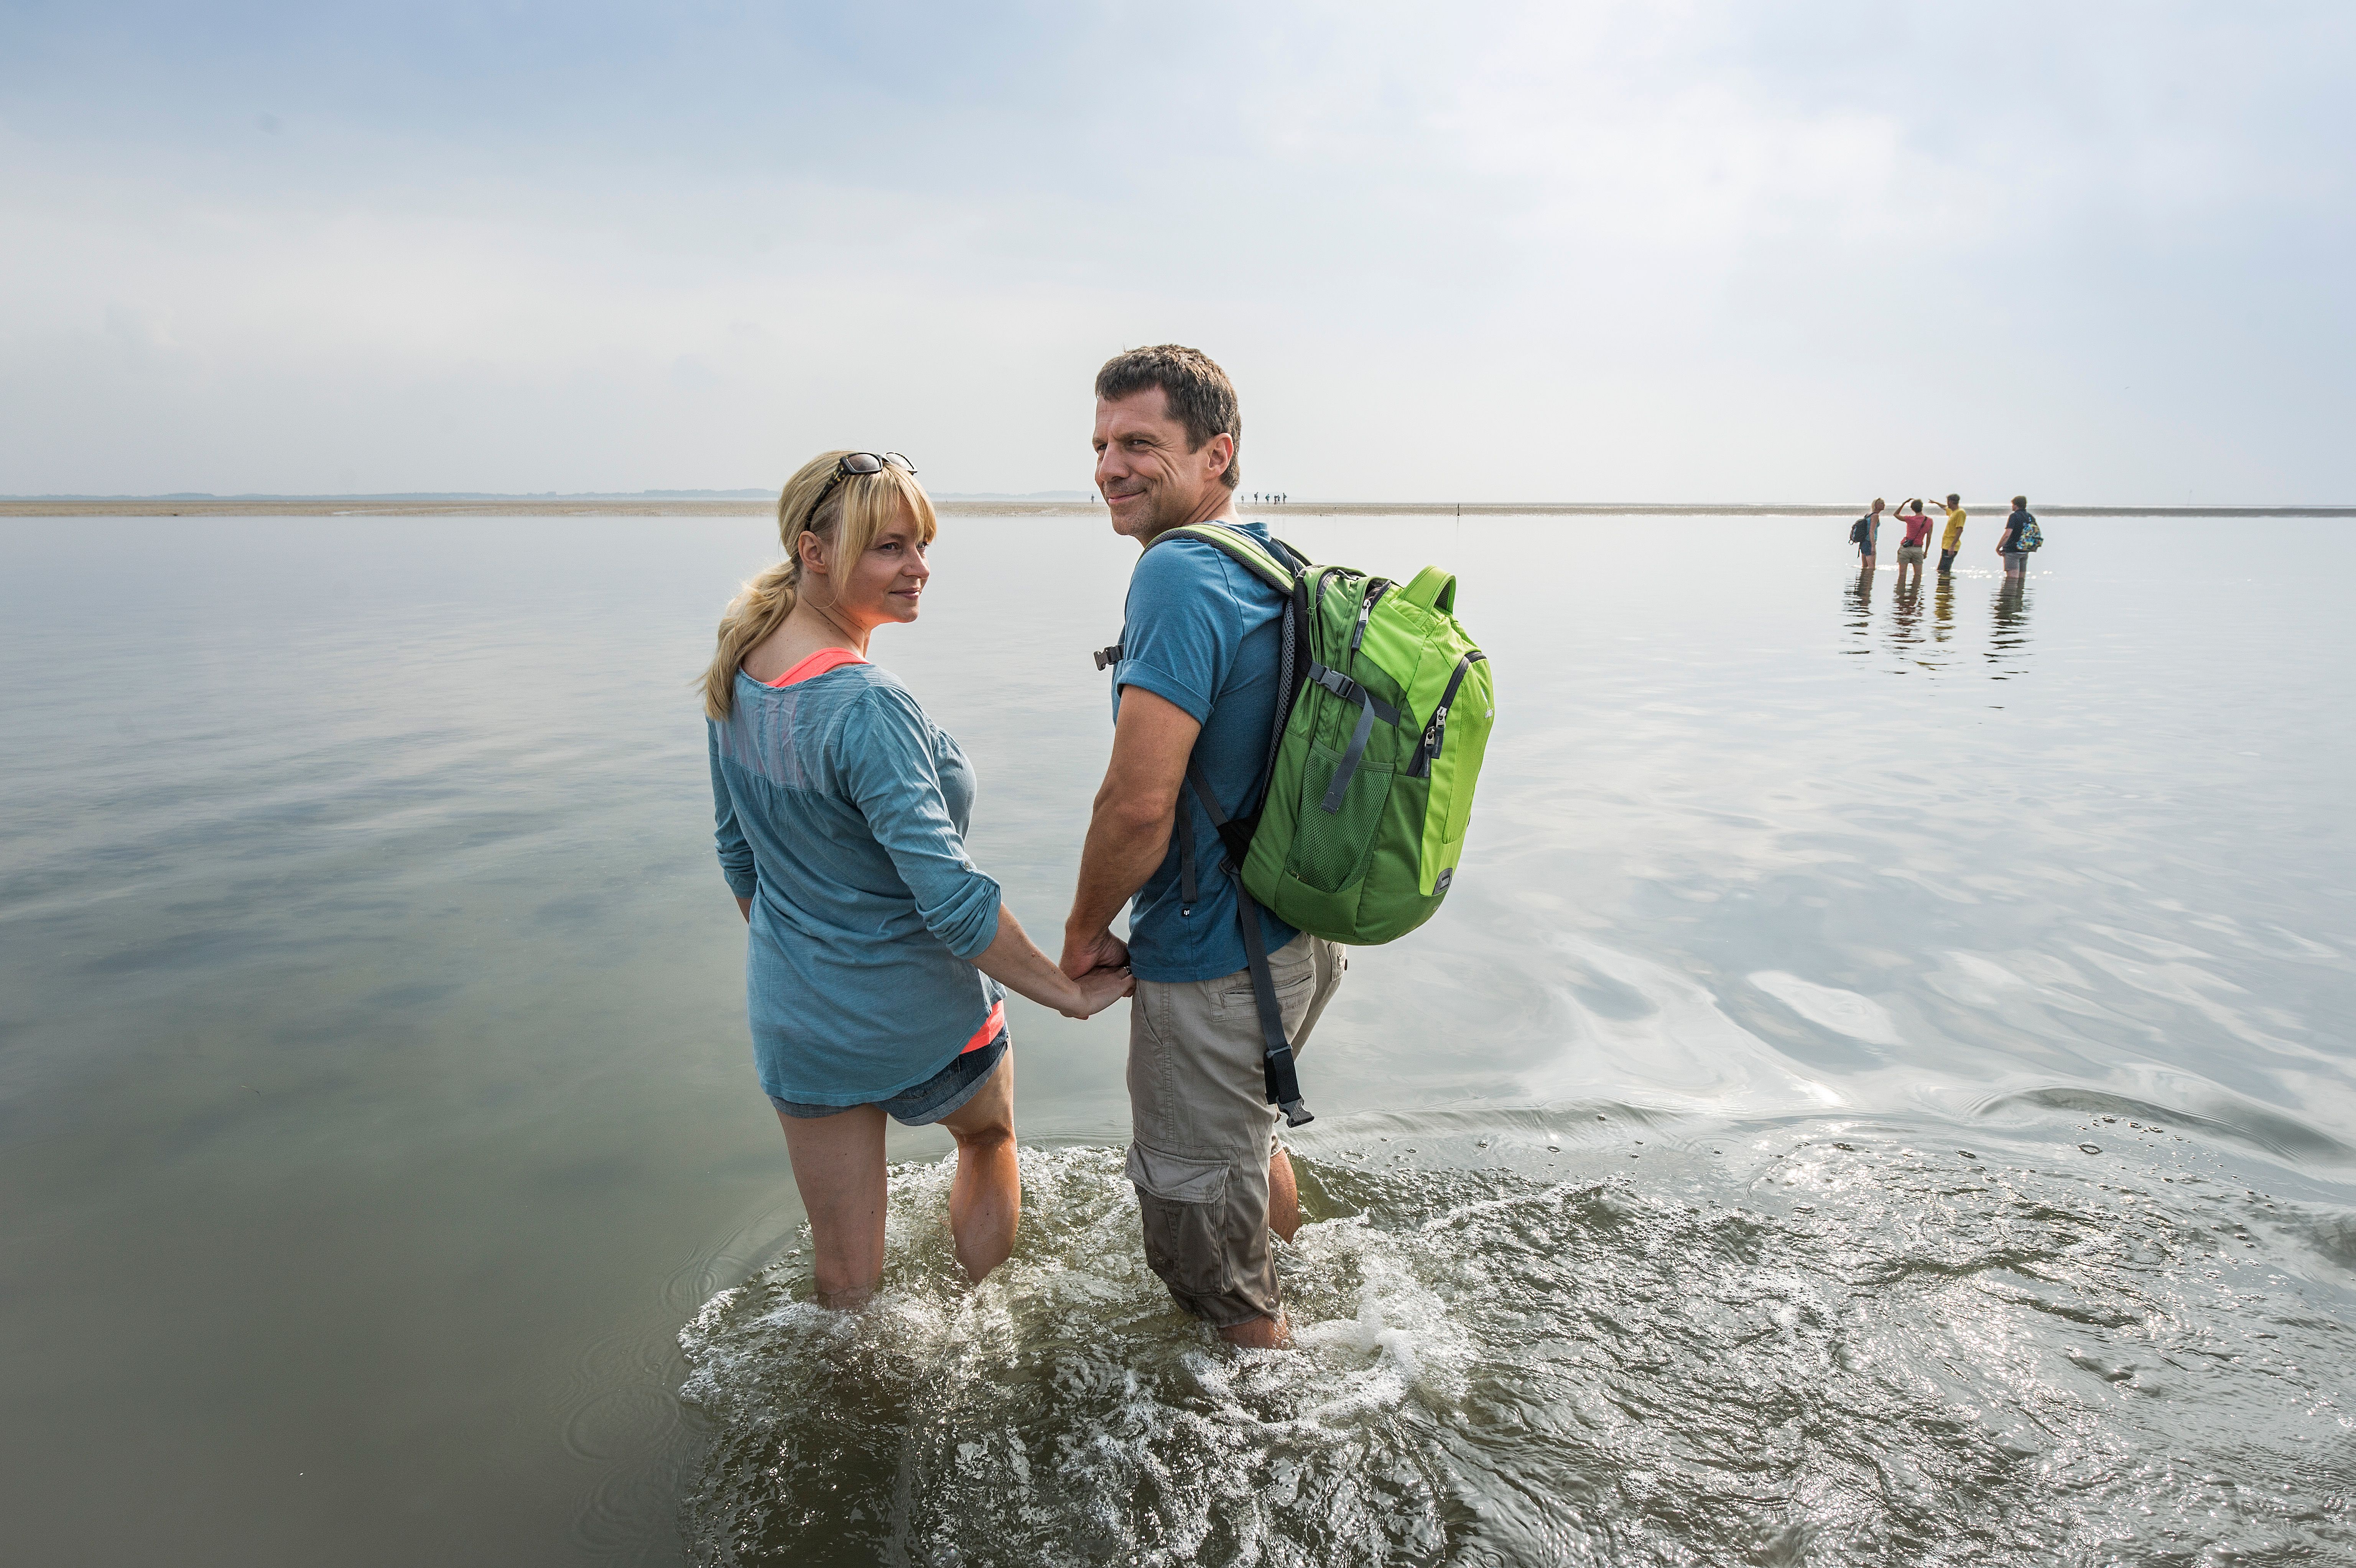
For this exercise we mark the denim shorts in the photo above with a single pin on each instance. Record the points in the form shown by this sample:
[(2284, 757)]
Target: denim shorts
[(920, 1106)]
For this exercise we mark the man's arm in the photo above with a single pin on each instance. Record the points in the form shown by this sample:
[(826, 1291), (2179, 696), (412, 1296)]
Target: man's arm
[(1129, 830)]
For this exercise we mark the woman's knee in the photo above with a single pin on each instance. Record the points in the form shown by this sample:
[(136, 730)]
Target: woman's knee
[(985, 1136)]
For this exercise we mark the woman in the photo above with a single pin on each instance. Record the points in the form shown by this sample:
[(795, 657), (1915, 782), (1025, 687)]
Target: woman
[(1865, 533), (877, 952)]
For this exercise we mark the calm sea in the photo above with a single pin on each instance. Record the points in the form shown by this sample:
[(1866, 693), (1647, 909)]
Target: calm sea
[(1880, 1090)]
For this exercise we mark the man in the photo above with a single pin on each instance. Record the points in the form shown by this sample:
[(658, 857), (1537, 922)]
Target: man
[(2008, 544), (1196, 677), (1953, 540)]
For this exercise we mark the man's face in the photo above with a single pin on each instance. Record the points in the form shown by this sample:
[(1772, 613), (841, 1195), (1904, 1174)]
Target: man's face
[(1148, 479)]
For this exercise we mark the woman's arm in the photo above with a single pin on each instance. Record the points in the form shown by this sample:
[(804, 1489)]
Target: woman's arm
[(727, 834), (1014, 961), (889, 766)]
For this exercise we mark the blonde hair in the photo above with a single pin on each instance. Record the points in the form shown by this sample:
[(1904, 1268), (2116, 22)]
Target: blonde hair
[(857, 508)]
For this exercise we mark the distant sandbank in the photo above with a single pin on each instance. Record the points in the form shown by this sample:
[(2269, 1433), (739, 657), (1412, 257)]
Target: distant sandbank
[(599, 506)]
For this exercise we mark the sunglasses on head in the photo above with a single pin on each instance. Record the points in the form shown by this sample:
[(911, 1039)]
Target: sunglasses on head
[(858, 463)]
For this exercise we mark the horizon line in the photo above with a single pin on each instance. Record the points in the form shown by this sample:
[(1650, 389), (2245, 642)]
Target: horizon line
[(1088, 498)]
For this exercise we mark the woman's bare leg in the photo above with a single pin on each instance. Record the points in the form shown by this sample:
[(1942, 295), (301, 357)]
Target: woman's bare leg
[(839, 1166), (986, 1199)]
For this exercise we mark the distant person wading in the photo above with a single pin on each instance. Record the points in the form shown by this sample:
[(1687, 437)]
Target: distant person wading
[(2020, 536), (1953, 540), (1865, 533), (877, 952), (1916, 545)]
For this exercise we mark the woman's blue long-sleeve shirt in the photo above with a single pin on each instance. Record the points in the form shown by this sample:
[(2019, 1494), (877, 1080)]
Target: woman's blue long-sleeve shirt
[(842, 812)]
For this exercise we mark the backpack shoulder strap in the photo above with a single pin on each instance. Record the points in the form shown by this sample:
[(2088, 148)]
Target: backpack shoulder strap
[(1271, 566)]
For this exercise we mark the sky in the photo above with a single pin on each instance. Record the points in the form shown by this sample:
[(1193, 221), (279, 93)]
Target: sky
[(2097, 252)]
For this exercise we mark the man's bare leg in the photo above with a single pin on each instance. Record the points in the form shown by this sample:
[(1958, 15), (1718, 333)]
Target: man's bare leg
[(1260, 1334), (1284, 1219), (1283, 1196)]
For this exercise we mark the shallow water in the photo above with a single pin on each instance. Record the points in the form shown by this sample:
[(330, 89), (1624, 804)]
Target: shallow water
[(1880, 1091)]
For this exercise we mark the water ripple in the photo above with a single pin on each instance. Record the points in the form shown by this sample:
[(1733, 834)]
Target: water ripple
[(1784, 1344)]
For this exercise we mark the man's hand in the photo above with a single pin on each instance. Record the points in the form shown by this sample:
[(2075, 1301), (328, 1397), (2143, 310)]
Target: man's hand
[(1085, 951)]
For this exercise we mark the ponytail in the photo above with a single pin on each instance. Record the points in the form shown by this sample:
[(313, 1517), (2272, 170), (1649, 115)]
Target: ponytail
[(752, 614)]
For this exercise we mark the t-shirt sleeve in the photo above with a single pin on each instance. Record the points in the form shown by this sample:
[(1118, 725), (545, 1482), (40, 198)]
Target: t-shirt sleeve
[(887, 767), (735, 854), (1182, 628)]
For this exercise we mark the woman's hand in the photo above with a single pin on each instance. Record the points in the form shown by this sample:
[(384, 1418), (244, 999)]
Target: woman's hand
[(1012, 961), (1100, 989)]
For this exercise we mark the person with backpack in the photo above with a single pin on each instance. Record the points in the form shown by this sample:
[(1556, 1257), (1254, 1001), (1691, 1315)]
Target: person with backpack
[(1318, 789), (1864, 533), (1196, 686), (2020, 536)]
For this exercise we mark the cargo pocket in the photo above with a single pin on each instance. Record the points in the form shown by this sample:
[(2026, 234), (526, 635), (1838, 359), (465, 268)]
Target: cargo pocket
[(1183, 1202), (1291, 980)]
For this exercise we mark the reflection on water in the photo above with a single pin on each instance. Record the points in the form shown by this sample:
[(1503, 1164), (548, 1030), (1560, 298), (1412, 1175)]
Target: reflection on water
[(375, 1107), (1921, 642), (1906, 613), (1860, 598)]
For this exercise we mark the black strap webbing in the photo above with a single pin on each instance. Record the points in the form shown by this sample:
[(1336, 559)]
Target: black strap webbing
[(1370, 708), (1283, 1084)]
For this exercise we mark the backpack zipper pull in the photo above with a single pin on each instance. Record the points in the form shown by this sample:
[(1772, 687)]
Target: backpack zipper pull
[(1375, 591)]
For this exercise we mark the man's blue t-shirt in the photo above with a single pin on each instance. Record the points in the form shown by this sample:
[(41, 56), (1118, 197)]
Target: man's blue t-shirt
[(1201, 631)]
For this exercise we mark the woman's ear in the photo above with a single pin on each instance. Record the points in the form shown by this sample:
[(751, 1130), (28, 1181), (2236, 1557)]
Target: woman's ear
[(812, 546)]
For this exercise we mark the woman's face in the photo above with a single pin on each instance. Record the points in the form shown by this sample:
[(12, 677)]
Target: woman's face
[(884, 585)]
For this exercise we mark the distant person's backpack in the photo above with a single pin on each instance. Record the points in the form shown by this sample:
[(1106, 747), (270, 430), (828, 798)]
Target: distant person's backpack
[(1359, 816), (2031, 537), (1856, 531)]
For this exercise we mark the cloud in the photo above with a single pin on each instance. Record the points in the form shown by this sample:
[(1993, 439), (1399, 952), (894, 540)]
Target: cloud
[(1615, 250)]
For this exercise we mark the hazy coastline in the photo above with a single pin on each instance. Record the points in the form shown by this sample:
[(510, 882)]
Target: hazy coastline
[(663, 506)]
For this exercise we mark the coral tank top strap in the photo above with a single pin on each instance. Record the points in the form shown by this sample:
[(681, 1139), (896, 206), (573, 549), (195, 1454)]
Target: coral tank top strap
[(817, 663)]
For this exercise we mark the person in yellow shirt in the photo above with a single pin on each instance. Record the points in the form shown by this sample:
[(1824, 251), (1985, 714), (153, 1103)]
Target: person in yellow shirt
[(1953, 540)]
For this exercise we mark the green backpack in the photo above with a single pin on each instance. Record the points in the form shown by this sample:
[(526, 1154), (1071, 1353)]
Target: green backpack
[(1360, 812)]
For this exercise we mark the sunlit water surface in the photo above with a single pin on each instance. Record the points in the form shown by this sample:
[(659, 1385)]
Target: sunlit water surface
[(1879, 1092)]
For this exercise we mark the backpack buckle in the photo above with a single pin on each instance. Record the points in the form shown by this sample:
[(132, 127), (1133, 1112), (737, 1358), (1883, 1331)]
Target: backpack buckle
[(1106, 657)]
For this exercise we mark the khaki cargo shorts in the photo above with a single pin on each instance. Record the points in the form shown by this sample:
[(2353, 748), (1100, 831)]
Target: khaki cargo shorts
[(1203, 1131)]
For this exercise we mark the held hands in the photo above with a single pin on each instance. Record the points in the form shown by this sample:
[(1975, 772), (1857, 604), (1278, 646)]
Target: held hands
[(1096, 963), (1100, 989), (1099, 950)]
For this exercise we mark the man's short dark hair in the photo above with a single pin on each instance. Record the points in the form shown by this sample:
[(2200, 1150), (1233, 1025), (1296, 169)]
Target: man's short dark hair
[(1201, 397), (2020, 501), (1954, 500)]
